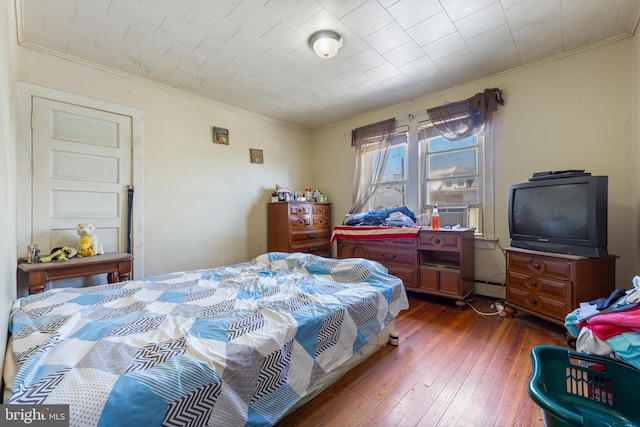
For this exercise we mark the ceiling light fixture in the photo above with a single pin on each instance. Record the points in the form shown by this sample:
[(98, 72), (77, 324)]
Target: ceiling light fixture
[(325, 43)]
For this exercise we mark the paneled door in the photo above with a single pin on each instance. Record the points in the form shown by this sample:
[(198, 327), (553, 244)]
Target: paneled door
[(80, 173)]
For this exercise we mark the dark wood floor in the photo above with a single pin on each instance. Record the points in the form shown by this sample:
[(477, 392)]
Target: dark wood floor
[(453, 367)]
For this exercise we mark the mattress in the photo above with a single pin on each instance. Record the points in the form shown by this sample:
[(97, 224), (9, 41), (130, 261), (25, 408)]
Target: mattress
[(235, 345)]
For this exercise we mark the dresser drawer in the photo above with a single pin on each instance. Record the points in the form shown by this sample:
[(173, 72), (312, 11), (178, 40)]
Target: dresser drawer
[(556, 267), (546, 296), (300, 208), (319, 247), (310, 234), (298, 221), (439, 241), (321, 210), (538, 285), (393, 255), (321, 220), (405, 243)]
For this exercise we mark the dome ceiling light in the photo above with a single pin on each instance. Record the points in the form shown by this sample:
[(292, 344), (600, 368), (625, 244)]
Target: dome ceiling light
[(325, 43)]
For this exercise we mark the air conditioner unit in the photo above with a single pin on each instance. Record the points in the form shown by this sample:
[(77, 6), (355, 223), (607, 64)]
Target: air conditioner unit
[(452, 214)]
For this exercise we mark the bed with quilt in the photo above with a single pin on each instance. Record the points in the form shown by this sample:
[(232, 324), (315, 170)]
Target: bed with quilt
[(236, 345)]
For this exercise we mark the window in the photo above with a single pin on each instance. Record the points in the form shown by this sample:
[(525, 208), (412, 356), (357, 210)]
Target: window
[(451, 174), (393, 186), (451, 171), (423, 169)]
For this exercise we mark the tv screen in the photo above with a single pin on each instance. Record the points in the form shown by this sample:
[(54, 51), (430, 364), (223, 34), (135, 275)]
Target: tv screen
[(552, 211), (562, 215)]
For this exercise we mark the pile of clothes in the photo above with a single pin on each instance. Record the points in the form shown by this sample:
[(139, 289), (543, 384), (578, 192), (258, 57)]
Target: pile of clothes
[(400, 216), (609, 326)]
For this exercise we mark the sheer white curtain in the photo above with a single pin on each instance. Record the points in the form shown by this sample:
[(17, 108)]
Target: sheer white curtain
[(370, 168)]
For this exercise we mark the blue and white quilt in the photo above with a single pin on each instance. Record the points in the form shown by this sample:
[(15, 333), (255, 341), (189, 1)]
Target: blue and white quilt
[(229, 346)]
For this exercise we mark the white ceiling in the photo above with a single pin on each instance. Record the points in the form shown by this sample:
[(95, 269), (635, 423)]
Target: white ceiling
[(253, 54)]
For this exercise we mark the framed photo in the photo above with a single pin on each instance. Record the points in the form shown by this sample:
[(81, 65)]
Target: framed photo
[(220, 135), (256, 155)]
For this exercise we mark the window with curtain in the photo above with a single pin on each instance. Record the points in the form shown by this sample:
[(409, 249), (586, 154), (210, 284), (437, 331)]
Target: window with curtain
[(442, 156), (392, 188)]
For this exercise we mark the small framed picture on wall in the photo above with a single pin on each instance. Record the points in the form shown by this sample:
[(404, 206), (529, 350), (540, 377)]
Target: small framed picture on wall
[(220, 135), (255, 155)]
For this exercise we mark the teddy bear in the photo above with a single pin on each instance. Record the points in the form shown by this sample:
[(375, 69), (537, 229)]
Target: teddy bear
[(88, 244)]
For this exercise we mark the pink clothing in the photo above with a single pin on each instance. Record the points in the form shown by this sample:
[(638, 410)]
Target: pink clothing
[(608, 325)]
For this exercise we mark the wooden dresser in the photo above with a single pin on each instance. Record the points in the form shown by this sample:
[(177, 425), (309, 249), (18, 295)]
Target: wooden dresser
[(435, 262), (550, 286), (299, 227)]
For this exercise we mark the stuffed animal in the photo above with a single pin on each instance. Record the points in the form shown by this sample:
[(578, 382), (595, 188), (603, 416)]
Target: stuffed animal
[(60, 254), (85, 246), (88, 244)]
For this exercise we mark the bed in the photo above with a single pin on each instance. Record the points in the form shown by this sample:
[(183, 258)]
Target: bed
[(242, 344)]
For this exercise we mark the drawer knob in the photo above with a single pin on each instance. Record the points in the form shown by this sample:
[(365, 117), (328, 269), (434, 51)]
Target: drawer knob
[(534, 301), (313, 249), (537, 265), (534, 283), (311, 235), (322, 221), (301, 221), (321, 210), (389, 257), (437, 241), (300, 210)]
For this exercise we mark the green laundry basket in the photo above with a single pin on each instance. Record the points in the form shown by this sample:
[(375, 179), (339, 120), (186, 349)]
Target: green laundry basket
[(577, 389)]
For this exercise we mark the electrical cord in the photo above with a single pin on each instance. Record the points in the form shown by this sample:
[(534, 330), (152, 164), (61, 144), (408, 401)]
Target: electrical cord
[(481, 312)]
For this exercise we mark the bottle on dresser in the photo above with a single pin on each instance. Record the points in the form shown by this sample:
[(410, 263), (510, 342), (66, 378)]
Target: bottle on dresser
[(435, 218)]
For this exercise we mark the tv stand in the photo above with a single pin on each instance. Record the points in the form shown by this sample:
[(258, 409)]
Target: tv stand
[(550, 285)]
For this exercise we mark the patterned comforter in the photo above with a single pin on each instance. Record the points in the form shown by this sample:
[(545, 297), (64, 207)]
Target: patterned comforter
[(234, 345)]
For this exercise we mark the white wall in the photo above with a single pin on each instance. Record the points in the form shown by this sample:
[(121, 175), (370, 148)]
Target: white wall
[(574, 112), (204, 203), (7, 167)]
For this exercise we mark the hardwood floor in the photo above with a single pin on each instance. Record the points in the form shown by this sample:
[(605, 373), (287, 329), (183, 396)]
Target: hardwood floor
[(453, 367)]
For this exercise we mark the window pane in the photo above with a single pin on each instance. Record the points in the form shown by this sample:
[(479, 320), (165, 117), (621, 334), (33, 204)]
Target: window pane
[(388, 196), (396, 164), (453, 163), (391, 192), (442, 144), (453, 191)]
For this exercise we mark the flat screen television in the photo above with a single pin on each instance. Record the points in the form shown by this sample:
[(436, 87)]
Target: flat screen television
[(565, 215)]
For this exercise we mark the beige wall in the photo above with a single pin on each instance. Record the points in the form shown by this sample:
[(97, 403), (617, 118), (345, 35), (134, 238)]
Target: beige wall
[(635, 155), (7, 167), (574, 112), (204, 203)]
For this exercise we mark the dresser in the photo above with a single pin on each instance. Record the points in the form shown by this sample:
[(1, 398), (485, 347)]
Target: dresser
[(299, 227), (437, 262), (550, 286)]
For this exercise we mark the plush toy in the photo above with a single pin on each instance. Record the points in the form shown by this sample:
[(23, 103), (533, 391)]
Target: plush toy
[(60, 254), (88, 244), (85, 246)]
